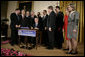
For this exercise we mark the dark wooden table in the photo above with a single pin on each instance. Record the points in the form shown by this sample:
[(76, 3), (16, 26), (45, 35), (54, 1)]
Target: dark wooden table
[(37, 37)]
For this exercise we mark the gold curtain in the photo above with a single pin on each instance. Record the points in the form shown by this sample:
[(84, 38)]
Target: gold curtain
[(80, 8)]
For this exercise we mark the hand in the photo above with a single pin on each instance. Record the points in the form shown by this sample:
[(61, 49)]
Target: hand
[(45, 28), (74, 30), (31, 27), (50, 29), (36, 28), (63, 30), (16, 26), (19, 25)]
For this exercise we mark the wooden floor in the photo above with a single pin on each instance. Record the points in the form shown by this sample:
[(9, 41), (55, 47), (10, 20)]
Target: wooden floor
[(42, 51)]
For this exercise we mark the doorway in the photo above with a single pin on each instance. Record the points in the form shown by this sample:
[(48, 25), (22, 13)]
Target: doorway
[(27, 6)]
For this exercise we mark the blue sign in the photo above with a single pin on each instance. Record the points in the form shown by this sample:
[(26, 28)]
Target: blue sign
[(23, 32), (24, 27)]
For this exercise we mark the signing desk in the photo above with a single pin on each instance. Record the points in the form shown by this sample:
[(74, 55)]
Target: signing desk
[(30, 32)]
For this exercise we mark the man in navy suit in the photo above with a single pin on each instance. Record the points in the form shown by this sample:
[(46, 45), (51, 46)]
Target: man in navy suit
[(36, 25), (44, 20)]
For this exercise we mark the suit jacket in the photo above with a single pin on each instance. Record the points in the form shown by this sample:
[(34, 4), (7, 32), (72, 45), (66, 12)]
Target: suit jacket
[(45, 21), (23, 21), (32, 20), (74, 18), (59, 20), (51, 20), (15, 20), (38, 26), (40, 19), (28, 21)]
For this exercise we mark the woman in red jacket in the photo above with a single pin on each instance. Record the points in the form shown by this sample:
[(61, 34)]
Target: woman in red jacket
[(65, 28)]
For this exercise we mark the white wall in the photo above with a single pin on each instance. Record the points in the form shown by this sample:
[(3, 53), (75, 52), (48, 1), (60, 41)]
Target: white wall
[(12, 5), (39, 6)]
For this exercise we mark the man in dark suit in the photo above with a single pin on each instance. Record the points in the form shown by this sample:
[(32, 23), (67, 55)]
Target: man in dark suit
[(15, 23), (59, 24), (39, 17), (32, 17), (28, 18), (44, 21), (37, 26), (23, 22), (51, 26)]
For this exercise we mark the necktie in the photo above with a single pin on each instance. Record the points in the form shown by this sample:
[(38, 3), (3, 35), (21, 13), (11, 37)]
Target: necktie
[(18, 17)]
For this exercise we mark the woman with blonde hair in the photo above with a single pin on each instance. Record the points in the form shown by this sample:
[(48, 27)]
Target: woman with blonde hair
[(72, 28), (65, 28)]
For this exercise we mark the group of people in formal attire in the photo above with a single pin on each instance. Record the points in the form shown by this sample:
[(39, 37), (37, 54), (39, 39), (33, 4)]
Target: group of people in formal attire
[(52, 26)]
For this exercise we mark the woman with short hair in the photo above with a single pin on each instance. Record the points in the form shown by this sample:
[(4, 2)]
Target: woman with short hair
[(72, 28)]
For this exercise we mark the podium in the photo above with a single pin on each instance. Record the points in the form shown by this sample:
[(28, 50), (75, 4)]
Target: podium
[(30, 32)]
